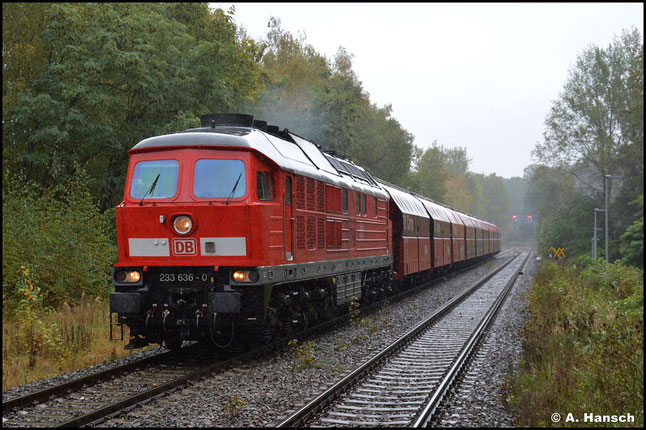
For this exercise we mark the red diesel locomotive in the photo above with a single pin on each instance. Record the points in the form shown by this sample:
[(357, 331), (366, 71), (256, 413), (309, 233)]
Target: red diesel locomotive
[(238, 230)]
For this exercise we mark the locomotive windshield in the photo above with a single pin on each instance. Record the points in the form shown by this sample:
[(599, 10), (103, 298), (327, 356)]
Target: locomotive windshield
[(219, 179), (161, 173)]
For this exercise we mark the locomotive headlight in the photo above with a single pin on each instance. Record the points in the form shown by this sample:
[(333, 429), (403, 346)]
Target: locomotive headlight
[(134, 276), (183, 224), (120, 276), (127, 276), (245, 276)]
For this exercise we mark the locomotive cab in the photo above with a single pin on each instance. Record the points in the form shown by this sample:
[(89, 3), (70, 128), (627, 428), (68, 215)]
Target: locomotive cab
[(188, 254)]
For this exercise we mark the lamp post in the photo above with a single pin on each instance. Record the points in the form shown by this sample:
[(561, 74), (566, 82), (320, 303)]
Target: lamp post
[(606, 177), (594, 240)]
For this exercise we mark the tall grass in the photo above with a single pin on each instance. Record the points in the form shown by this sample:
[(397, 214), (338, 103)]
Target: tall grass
[(584, 349), (56, 342), (56, 253)]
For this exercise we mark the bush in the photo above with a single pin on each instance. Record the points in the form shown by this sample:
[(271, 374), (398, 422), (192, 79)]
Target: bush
[(583, 343), (59, 236)]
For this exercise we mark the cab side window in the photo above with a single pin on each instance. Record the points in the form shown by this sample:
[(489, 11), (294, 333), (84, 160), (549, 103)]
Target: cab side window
[(264, 186), (288, 190)]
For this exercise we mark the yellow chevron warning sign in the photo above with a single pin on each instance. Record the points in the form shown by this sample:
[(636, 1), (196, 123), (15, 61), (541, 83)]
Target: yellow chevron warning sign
[(556, 253)]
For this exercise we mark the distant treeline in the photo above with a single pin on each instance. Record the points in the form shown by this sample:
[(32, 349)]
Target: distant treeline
[(84, 82), (594, 128)]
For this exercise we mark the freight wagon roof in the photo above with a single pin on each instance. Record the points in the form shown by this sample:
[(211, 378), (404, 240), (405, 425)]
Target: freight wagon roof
[(407, 203), (468, 221), (483, 225), (299, 157), (454, 216), (437, 212)]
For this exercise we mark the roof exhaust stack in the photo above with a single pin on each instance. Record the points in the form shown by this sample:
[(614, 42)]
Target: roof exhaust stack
[(261, 125), (235, 119)]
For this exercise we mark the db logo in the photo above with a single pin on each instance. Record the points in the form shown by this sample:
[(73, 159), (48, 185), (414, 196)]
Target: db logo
[(184, 247)]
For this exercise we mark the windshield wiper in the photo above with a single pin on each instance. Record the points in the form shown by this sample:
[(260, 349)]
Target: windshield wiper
[(150, 191), (234, 188)]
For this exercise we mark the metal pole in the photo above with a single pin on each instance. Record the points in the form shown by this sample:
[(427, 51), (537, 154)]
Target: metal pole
[(606, 177), (594, 240), (606, 232)]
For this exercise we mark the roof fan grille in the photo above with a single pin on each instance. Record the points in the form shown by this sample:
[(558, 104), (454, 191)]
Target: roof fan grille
[(235, 119)]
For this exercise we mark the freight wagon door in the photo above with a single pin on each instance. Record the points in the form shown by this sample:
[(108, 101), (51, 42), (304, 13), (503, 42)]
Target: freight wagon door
[(288, 221)]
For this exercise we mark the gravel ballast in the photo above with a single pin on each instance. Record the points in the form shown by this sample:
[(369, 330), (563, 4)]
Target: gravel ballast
[(32, 387), (479, 399), (263, 390)]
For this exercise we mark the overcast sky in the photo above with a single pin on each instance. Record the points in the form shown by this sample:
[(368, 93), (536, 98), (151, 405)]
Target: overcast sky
[(480, 76)]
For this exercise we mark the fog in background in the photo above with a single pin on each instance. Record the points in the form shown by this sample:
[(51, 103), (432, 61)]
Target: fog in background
[(480, 76)]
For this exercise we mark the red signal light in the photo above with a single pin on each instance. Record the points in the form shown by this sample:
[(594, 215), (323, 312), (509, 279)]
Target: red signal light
[(514, 216)]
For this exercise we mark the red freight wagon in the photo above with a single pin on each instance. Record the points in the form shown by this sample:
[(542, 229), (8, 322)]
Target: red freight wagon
[(440, 232), (457, 236), (479, 237), (470, 235), (490, 244), (411, 233), (496, 238)]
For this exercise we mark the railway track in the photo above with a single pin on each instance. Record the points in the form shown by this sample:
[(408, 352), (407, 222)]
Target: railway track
[(96, 396), (92, 399), (404, 383)]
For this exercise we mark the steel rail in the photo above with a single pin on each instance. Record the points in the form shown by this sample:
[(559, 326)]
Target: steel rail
[(301, 415), (46, 393), (427, 412)]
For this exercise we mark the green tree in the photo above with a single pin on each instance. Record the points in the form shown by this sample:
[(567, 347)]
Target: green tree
[(497, 204), (595, 128), (475, 185), (457, 160), (432, 174), (382, 146), (583, 135), (104, 76), (58, 235), (293, 73), (564, 212), (516, 188), (324, 101), (632, 241)]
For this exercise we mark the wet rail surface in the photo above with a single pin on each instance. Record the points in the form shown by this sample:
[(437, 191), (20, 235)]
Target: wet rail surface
[(96, 396), (91, 399), (403, 384)]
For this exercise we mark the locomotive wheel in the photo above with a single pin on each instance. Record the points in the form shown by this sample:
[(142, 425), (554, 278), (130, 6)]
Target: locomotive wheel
[(286, 328), (173, 342), (265, 335)]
